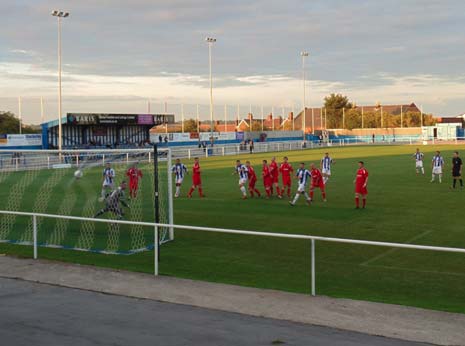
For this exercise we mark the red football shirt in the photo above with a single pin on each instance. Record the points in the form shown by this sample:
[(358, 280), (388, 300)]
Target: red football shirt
[(134, 174), (286, 170), (196, 169), (266, 171), (273, 169), (362, 176), (252, 175), (316, 176)]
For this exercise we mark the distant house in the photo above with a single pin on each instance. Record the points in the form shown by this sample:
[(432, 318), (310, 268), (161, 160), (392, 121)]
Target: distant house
[(459, 119)]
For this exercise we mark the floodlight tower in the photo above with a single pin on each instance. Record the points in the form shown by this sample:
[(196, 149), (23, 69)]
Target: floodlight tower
[(303, 54), (210, 41), (59, 15)]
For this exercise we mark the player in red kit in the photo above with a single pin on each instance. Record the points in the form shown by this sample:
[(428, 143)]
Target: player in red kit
[(252, 180), (196, 180), (317, 182), (267, 180), (134, 174), (286, 171), (274, 172), (361, 181)]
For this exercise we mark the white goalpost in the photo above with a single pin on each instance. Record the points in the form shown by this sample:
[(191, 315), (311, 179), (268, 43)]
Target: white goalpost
[(70, 183)]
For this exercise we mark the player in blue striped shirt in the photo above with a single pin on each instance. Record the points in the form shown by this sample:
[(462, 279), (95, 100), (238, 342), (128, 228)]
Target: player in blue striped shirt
[(437, 166), (179, 170), (243, 173), (325, 167), (303, 175)]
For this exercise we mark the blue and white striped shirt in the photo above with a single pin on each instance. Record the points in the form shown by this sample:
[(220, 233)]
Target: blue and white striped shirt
[(438, 161), (326, 162), (179, 170), (242, 171), (303, 175), (418, 156)]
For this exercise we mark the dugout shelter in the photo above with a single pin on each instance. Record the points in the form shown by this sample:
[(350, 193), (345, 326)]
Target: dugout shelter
[(98, 130)]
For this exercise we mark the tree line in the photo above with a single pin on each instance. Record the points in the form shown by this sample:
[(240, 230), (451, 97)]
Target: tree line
[(9, 123)]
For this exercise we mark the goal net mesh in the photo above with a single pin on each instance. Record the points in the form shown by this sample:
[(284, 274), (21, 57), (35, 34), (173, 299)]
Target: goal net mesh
[(48, 183)]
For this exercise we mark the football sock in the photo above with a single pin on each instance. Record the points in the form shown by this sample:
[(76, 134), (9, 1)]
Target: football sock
[(454, 183), (272, 191), (323, 194), (257, 192), (190, 191), (364, 201), (200, 192), (296, 197), (432, 177), (440, 178), (306, 196), (244, 193), (178, 189), (251, 192), (422, 171), (311, 194), (103, 193), (461, 182), (357, 202)]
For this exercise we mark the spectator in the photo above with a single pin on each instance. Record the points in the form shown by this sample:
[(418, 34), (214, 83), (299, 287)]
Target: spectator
[(251, 146), (166, 139), (373, 138), (160, 139)]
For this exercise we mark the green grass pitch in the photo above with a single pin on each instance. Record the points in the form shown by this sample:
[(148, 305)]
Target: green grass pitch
[(402, 207)]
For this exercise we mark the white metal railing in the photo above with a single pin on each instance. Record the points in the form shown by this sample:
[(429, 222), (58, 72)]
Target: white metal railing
[(155, 226)]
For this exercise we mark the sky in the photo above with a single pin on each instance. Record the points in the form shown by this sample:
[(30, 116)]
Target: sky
[(118, 55)]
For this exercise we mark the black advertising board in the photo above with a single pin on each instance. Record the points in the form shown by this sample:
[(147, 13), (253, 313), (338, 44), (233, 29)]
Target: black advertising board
[(85, 119)]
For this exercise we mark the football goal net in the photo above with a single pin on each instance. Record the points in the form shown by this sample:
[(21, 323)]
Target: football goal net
[(131, 185)]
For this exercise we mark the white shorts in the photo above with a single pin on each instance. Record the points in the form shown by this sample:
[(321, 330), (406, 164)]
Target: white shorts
[(419, 164), (301, 188), (109, 185), (326, 171), (242, 181), (437, 170), (179, 181)]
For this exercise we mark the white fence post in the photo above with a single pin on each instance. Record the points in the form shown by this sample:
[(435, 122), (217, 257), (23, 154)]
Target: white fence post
[(48, 162), (77, 161), (155, 251), (150, 157), (313, 268), (127, 158), (189, 154), (34, 234), (223, 150), (103, 160)]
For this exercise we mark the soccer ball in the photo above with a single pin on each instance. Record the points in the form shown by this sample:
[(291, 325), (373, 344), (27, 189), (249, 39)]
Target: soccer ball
[(78, 174)]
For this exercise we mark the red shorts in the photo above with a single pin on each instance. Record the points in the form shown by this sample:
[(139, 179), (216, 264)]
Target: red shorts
[(133, 184), (361, 190), (252, 183), (267, 181), (275, 179), (287, 181), (321, 185), (196, 181)]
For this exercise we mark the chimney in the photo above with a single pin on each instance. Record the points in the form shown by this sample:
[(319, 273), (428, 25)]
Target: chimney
[(250, 116), (269, 117), (291, 116)]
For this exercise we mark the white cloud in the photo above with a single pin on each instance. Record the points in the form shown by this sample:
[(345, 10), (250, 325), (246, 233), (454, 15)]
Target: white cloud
[(129, 93)]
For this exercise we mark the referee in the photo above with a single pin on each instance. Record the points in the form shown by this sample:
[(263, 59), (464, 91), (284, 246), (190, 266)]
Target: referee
[(457, 170)]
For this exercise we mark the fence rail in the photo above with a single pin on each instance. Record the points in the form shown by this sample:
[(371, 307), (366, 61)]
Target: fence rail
[(156, 226)]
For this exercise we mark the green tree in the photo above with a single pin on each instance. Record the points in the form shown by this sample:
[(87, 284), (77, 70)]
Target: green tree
[(190, 125), (334, 104), (10, 124), (353, 119)]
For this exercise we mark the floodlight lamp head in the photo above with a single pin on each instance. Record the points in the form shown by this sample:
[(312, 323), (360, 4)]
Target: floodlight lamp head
[(304, 53), (55, 13), (66, 14), (210, 39)]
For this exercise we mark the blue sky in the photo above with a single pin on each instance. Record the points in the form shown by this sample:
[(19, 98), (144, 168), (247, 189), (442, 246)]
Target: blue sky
[(118, 54)]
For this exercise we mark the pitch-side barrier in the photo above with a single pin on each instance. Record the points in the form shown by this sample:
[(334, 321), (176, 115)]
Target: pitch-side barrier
[(156, 226)]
